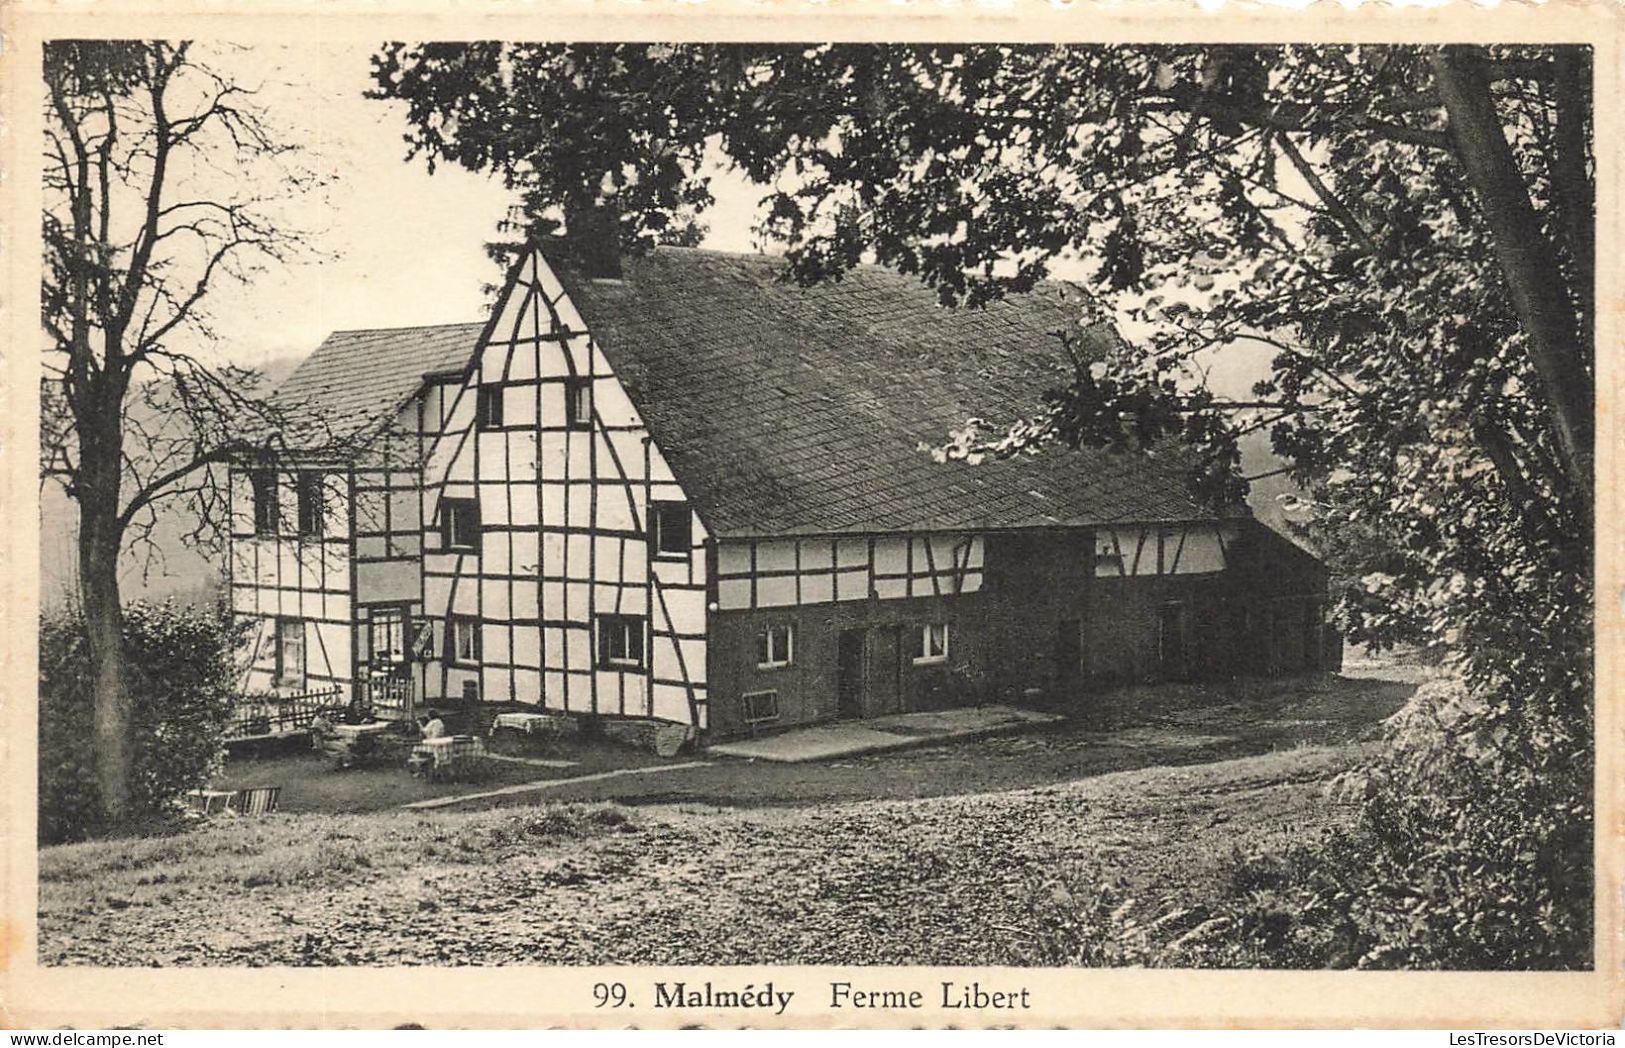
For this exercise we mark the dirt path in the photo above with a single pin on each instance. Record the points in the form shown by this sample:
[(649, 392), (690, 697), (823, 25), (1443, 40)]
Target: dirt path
[(1130, 728)]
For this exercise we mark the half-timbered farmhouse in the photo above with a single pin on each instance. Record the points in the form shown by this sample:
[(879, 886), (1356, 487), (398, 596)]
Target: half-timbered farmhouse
[(674, 486)]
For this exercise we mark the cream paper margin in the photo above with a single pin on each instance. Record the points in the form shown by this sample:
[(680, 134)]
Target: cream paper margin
[(32, 996)]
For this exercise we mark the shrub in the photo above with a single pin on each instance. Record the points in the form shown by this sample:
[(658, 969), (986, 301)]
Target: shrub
[(1479, 826), (1472, 851), (180, 671)]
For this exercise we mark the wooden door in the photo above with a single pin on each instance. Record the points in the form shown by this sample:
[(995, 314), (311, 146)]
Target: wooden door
[(1068, 653), (849, 674), (882, 679), (1171, 656), (390, 678)]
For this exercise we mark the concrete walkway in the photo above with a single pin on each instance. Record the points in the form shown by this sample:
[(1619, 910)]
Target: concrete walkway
[(850, 738)]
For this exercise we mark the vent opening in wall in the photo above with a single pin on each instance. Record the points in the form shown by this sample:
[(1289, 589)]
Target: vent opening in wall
[(578, 403), (489, 407), (760, 706)]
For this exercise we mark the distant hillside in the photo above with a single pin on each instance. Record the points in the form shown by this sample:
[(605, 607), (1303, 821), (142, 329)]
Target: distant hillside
[(180, 571), (1232, 371)]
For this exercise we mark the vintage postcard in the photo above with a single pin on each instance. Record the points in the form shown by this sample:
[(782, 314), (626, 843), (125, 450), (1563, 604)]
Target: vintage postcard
[(827, 515)]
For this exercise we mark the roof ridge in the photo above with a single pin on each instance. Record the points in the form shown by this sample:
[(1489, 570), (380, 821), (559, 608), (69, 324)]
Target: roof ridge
[(1049, 281), (406, 327)]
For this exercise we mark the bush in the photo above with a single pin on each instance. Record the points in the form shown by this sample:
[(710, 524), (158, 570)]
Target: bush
[(1479, 831), (1472, 851), (180, 671)]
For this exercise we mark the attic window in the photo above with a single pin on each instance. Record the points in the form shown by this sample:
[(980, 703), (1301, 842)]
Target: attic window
[(310, 505), (673, 528), (460, 523), (265, 505), (578, 403), (490, 407)]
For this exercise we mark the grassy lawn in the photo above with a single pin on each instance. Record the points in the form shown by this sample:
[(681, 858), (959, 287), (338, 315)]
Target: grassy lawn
[(939, 856), (311, 784)]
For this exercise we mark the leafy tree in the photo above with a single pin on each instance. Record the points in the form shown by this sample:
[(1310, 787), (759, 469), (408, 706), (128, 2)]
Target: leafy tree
[(1410, 229), (159, 173)]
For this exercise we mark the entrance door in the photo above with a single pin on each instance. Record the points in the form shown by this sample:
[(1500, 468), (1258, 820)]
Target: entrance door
[(849, 674), (389, 678), (883, 683), (1171, 641), (1068, 653)]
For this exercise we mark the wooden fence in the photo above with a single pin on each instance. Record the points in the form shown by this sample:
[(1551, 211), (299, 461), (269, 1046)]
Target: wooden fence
[(259, 715), (386, 697)]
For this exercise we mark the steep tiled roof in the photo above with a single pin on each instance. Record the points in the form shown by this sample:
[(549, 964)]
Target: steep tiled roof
[(785, 409), (355, 377)]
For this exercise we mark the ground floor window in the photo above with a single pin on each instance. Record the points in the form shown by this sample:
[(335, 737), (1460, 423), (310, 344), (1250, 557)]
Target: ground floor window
[(620, 641), (775, 646), (290, 653), (931, 643), (761, 706), (465, 639)]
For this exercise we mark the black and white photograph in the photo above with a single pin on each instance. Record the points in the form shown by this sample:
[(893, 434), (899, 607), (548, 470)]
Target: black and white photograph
[(995, 506)]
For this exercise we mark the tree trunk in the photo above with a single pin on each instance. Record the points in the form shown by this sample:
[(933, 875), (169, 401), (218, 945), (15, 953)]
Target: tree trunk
[(1528, 259), (100, 539)]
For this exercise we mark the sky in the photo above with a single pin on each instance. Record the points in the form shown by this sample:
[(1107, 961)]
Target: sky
[(398, 246), (395, 245)]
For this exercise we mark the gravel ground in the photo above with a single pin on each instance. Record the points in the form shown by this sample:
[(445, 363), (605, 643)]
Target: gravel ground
[(931, 881)]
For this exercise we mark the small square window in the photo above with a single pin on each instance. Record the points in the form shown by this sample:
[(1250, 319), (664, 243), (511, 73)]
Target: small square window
[(760, 706), (266, 515), (673, 525), (311, 488), (490, 407), (1108, 560), (460, 523), (775, 646), (465, 640), (578, 403), (620, 641), (931, 643)]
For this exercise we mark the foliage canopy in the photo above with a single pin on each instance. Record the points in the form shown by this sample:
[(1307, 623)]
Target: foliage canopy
[(1410, 229)]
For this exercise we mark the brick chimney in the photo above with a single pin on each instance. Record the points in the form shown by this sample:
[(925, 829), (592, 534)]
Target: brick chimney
[(592, 241)]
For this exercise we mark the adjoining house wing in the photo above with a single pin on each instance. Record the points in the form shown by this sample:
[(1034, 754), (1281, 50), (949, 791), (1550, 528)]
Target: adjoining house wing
[(359, 377), (793, 410)]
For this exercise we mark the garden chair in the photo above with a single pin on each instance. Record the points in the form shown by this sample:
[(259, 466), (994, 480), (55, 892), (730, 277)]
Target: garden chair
[(260, 800), (211, 802)]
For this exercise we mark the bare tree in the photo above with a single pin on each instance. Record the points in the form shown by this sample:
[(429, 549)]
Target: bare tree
[(152, 199)]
